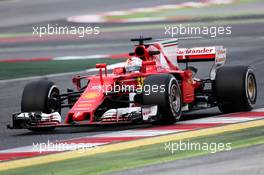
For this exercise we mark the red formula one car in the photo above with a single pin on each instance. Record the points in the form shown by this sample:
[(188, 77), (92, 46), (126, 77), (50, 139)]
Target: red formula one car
[(150, 87)]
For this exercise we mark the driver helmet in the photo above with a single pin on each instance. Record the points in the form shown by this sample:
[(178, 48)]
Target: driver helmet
[(133, 64)]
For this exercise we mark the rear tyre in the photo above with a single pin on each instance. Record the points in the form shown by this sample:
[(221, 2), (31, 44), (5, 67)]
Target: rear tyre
[(41, 96), (236, 89), (167, 97)]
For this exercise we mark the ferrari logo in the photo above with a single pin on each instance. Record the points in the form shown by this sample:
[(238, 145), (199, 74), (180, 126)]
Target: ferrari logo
[(140, 81)]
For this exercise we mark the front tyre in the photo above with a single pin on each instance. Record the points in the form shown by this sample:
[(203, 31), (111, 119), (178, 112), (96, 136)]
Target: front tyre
[(167, 98), (236, 89), (41, 96)]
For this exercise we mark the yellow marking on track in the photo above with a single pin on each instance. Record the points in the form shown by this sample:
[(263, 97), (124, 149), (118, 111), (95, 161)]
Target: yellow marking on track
[(127, 145)]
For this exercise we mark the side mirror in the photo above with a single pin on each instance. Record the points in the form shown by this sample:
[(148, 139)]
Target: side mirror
[(101, 66), (76, 80)]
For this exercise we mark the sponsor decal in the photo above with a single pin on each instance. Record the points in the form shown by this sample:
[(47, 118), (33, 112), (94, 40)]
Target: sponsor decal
[(91, 95), (220, 55), (220, 60), (84, 105), (194, 51), (221, 52), (170, 43), (140, 81), (81, 109)]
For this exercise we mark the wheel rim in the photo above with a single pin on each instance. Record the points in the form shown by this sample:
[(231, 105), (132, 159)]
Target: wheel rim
[(251, 87), (175, 101), (54, 94)]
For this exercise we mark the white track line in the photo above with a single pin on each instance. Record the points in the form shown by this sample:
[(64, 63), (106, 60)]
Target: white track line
[(137, 133)]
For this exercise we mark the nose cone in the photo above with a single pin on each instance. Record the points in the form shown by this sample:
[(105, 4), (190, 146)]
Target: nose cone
[(79, 116)]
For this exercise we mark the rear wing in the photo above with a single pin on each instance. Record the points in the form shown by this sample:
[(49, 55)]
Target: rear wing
[(171, 55), (216, 54), (197, 54)]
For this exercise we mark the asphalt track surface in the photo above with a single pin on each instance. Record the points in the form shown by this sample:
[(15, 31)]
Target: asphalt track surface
[(245, 47)]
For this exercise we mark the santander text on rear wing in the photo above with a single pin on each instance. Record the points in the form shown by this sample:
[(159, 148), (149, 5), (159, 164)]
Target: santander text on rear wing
[(215, 53)]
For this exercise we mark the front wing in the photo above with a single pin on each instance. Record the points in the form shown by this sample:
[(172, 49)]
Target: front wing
[(33, 120)]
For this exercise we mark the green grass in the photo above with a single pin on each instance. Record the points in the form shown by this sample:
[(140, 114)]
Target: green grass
[(141, 156), (36, 68)]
